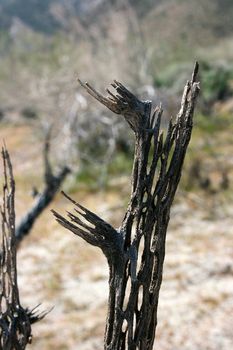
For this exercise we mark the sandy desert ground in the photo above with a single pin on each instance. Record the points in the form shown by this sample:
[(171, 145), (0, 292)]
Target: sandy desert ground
[(59, 270)]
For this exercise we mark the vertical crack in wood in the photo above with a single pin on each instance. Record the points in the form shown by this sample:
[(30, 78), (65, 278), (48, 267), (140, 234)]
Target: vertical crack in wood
[(157, 167)]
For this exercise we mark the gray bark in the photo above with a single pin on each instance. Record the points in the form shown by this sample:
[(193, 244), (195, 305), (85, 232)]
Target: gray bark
[(135, 253)]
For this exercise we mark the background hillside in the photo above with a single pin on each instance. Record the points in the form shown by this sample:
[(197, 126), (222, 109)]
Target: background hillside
[(45, 44), (150, 46)]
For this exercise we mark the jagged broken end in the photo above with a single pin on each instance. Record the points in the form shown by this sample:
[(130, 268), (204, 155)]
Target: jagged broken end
[(90, 227), (36, 315), (123, 102)]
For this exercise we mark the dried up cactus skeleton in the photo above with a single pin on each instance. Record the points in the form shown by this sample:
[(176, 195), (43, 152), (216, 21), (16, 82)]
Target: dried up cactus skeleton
[(135, 252), (15, 321)]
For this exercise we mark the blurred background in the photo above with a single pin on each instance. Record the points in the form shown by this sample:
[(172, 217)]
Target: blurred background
[(150, 46)]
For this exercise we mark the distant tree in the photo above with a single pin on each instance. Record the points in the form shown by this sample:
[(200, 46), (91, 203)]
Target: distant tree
[(52, 184)]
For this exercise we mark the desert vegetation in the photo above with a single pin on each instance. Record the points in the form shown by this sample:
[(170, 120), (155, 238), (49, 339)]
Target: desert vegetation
[(43, 51)]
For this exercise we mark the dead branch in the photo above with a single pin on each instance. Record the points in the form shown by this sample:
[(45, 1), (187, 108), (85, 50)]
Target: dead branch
[(158, 161), (15, 321), (52, 185)]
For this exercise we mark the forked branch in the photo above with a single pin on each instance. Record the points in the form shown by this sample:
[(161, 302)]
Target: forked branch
[(158, 161)]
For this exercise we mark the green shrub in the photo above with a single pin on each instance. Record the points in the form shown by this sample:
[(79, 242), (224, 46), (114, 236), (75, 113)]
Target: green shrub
[(29, 113), (216, 82)]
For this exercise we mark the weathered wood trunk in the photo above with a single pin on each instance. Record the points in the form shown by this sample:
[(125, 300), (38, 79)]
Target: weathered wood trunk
[(135, 252)]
